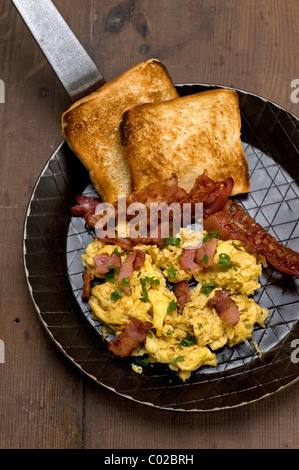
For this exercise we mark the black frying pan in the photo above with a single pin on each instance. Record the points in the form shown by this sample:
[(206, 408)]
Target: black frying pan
[(54, 241)]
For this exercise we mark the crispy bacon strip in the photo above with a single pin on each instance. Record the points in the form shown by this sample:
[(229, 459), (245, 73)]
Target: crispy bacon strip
[(226, 307), (131, 337), (88, 276), (194, 260), (182, 292), (134, 261), (187, 261), (85, 204), (221, 214), (233, 222), (213, 195), (104, 261), (205, 254)]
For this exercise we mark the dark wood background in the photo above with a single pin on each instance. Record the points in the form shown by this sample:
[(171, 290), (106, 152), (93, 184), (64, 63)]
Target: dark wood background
[(45, 402)]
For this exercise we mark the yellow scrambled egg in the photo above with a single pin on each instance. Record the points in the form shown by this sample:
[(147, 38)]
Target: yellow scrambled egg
[(188, 340)]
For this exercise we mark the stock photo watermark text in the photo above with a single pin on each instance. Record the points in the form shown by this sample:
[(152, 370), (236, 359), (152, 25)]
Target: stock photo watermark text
[(295, 93), (2, 92), (2, 352)]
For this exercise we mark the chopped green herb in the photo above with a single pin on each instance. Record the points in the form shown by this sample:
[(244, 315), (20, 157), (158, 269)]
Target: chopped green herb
[(117, 251), (142, 361), (190, 340), (177, 359), (235, 269), (205, 259), (211, 235), (172, 241), (224, 261), (172, 306), (207, 288), (171, 272), (169, 332), (110, 276), (125, 281), (152, 280), (115, 295), (199, 326), (144, 290), (234, 245)]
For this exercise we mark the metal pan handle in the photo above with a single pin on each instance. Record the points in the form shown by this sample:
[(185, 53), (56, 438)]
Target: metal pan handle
[(75, 69)]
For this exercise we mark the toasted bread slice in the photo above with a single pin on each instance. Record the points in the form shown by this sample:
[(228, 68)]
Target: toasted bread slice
[(186, 136), (91, 125)]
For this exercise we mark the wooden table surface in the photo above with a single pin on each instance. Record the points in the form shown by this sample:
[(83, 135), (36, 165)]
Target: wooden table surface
[(45, 402)]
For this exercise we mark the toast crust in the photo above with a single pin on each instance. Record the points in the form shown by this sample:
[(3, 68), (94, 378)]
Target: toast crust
[(91, 125), (187, 136)]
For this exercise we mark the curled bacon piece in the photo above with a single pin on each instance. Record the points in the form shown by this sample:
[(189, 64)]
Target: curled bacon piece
[(226, 307), (194, 260), (213, 195), (187, 261), (131, 337), (220, 214), (88, 276), (86, 207), (182, 292), (104, 262), (134, 261), (233, 222), (205, 254)]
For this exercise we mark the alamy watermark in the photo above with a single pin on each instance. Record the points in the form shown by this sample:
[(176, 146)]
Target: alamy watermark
[(2, 92), (295, 93), (156, 220), (2, 352), (295, 353)]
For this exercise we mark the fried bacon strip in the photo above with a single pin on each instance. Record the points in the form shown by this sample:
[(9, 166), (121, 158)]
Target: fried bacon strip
[(194, 260), (233, 222), (213, 195), (134, 261), (88, 276), (226, 307), (131, 337), (220, 214), (182, 292), (104, 262)]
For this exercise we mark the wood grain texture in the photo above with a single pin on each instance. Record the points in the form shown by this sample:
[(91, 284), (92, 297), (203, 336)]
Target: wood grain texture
[(44, 401)]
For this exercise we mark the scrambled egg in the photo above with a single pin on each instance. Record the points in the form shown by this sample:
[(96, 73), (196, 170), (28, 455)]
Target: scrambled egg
[(184, 341)]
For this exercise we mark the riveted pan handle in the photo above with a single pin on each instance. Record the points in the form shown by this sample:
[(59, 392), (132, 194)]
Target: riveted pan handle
[(73, 66)]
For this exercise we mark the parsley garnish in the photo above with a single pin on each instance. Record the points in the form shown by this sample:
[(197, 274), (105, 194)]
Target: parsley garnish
[(115, 295), (224, 261), (117, 252), (125, 281), (172, 306), (205, 259), (152, 281), (172, 241), (109, 277), (171, 272), (144, 290), (190, 340), (211, 235), (177, 359), (207, 288), (142, 361)]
